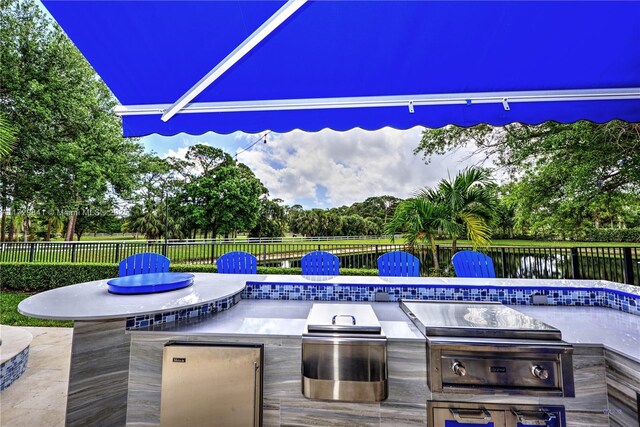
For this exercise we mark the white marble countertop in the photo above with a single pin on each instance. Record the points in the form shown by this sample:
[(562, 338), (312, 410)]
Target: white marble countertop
[(284, 319), (616, 330), (92, 300)]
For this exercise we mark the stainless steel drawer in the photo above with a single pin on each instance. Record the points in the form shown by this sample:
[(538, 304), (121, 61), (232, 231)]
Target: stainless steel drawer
[(344, 368)]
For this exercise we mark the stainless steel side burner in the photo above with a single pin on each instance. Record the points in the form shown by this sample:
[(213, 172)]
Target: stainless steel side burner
[(486, 348), (344, 354)]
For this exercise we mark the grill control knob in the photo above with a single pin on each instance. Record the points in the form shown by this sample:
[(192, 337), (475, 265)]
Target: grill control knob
[(540, 372), (459, 369)]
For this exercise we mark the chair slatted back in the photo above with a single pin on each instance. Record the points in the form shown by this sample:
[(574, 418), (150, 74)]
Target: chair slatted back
[(144, 263), (473, 264), (237, 262), (320, 263), (398, 264)]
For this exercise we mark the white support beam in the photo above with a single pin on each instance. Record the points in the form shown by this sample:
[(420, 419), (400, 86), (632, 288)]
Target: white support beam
[(238, 53), (390, 101)]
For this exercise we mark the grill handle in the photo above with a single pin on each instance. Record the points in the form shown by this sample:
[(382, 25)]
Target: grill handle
[(538, 419), (353, 318), (471, 416)]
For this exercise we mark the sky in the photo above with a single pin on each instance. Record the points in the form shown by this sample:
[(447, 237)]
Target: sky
[(328, 168)]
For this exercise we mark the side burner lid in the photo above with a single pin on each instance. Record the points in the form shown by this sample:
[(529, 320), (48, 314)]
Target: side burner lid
[(476, 319)]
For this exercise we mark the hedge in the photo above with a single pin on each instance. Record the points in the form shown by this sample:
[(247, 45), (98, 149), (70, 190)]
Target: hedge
[(630, 235), (38, 277)]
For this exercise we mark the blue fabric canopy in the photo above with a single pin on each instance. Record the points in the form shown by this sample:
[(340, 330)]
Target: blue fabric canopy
[(470, 56)]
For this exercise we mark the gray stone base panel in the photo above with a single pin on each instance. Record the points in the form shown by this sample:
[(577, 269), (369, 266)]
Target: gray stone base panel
[(99, 374)]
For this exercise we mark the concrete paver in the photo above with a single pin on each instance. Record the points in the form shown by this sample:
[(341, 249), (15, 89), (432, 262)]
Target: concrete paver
[(39, 397)]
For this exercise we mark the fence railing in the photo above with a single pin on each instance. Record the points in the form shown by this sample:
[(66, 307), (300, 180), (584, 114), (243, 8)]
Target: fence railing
[(618, 264)]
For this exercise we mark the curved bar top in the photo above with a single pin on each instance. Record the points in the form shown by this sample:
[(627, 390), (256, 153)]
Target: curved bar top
[(93, 301)]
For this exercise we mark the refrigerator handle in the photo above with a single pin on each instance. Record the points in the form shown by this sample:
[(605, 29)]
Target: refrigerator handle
[(256, 409)]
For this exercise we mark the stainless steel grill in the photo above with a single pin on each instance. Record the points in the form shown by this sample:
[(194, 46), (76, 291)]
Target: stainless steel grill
[(486, 348), (344, 354)]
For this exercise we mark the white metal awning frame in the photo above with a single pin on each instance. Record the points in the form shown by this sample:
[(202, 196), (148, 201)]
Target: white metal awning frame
[(408, 101)]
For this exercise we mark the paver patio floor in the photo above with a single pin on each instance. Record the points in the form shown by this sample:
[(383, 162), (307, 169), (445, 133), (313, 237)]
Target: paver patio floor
[(39, 397)]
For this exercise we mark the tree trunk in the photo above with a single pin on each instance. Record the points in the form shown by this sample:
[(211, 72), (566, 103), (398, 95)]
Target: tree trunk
[(71, 227), (11, 228), (434, 253), (25, 229), (48, 236), (454, 246), (3, 223), (205, 234)]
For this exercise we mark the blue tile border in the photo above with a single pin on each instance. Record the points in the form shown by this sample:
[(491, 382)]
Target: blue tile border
[(589, 296), (13, 368), (146, 320)]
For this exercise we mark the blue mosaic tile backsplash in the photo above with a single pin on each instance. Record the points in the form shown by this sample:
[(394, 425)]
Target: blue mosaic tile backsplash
[(13, 368), (506, 295), (185, 313)]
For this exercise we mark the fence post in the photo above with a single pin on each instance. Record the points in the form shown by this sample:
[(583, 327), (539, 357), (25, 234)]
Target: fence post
[(32, 251), (164, 249), (319, 248), (575, 263), (117, 252), (264, 255), (213, 251), (73, 252), (627, 263), (377, 253), (438, 254), (503, 256)]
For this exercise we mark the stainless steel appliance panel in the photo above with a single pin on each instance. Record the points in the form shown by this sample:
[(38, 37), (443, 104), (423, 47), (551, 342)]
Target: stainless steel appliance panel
[(344, 354), (211, 384), (350, 369), (527, 367), (459, 414)]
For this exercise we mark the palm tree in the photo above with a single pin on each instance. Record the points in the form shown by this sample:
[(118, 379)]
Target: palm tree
[(6, 137), (468, 202), (420, 220)]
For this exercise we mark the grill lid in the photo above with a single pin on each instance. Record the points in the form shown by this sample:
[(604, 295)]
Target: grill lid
[(343, 318), (476, 319)]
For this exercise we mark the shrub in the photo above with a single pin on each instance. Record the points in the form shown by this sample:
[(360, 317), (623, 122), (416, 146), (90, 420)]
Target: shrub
[(631, 235), (38, 277)]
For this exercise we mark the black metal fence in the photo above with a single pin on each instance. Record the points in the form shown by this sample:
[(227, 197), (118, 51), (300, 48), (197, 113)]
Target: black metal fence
[(618, 264)]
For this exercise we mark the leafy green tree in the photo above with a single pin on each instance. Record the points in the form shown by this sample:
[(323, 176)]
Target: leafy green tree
[(68, 152), (569, 177), (271, 222), (224, 195), (468, 202), (354, 225)]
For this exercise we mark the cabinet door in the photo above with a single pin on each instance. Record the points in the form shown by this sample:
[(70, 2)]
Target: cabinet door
[(451, 417), (211, 385)]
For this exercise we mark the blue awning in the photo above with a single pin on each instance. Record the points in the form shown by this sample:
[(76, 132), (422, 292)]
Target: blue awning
[(367, 64)]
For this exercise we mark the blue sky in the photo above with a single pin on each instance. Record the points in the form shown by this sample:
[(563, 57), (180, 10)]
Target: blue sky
[(328, 168)]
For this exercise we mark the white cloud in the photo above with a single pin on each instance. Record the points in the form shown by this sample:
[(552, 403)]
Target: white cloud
[(330, 168)]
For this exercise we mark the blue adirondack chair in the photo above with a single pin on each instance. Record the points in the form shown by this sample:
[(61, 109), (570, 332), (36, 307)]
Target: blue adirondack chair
[(398, 264), (147, 262), (320, 263), (473, 264), (237, 262)]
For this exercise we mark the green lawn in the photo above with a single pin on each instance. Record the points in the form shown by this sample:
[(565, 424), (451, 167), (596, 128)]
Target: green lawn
[(9, 313)]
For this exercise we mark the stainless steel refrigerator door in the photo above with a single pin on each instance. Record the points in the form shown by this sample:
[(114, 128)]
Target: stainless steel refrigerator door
[(211, 385)]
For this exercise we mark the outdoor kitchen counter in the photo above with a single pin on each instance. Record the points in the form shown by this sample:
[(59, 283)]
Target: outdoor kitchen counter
[(613, 329), (92, 301), (283, 319)]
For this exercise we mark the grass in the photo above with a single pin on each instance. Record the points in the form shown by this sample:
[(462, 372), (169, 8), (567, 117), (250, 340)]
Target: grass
[(9, 313)]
